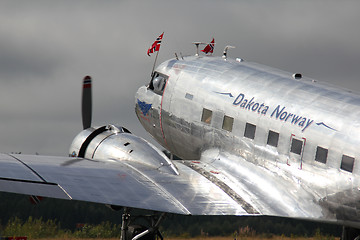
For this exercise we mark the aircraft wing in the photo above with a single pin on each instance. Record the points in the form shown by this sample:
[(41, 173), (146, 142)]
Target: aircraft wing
[(121, 183), (216, 185)]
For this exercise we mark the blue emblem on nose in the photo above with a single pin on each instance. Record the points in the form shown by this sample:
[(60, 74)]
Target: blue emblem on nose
[(144, 107)]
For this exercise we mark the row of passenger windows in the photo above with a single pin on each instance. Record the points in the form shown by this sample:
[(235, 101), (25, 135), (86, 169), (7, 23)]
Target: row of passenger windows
[(227, 121), (347, 162)]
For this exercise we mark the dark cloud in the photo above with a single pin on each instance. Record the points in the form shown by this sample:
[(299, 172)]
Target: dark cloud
[(47, 47), (19, 62)]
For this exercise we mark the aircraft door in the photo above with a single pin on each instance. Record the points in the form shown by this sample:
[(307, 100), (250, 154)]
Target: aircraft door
[(296, 150)]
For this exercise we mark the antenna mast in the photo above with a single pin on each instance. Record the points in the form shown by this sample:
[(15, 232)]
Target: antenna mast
[(197, 47)]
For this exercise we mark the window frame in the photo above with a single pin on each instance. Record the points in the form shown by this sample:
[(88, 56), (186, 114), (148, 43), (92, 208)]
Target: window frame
[(320, 151), (345, 160), (228, 123), (294, 147), (269, 138), (151, 84), (250, 130), (206, 116)]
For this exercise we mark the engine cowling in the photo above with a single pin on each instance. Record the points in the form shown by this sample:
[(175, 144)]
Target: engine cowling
[(113, 143)]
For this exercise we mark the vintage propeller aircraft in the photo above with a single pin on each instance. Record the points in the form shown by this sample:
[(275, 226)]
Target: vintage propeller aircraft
[(253, 140)]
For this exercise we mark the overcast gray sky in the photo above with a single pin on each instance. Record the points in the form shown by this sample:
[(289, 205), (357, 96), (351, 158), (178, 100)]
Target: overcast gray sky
[(47, 47)]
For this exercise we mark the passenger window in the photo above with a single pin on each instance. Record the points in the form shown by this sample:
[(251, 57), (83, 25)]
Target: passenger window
[(228, 123), (273, 138), (296, 146), (158, 82), (206, 116), (250, 130), (347, 163), (321, 154)]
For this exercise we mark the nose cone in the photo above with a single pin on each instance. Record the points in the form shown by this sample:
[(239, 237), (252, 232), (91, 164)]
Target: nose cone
[(141, 107), (147, 108)]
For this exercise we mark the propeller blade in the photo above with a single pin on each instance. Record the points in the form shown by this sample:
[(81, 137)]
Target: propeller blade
[(86, 103)]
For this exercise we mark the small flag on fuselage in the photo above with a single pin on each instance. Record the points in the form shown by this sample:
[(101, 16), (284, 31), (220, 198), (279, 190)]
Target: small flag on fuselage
[(155, 47), (210, 47)]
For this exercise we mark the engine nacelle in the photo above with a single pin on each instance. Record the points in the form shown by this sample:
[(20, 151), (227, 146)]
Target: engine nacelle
[(112, 143)]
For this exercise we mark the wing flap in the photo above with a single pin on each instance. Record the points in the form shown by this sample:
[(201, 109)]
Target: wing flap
[(33, 188)]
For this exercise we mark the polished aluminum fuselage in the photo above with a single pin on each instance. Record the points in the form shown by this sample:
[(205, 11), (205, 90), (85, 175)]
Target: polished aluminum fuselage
[(314, 113)]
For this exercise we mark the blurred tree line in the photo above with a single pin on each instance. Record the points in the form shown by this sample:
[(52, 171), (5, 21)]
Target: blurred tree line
[(66, 217)]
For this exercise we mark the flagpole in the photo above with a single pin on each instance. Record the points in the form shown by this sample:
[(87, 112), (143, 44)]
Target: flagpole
[(152, 72), (155, 47)]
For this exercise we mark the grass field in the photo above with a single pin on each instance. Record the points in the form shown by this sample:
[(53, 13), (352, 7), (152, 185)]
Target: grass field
[(211, 238)]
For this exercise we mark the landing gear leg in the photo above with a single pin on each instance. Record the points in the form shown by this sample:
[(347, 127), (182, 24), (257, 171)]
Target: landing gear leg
[(137, 232), (125, 224)]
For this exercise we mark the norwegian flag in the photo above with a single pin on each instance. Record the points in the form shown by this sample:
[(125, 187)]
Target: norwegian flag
[(209, 48), (155, 47)]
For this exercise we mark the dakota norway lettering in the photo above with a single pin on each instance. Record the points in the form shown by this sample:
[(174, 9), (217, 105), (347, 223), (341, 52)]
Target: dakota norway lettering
[(250, 105), (278, 113)]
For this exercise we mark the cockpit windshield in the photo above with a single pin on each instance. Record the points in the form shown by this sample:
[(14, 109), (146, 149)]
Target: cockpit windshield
[(158, 82)]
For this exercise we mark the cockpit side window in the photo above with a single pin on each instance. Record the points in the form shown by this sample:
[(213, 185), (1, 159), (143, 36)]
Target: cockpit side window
[(158, 82)]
